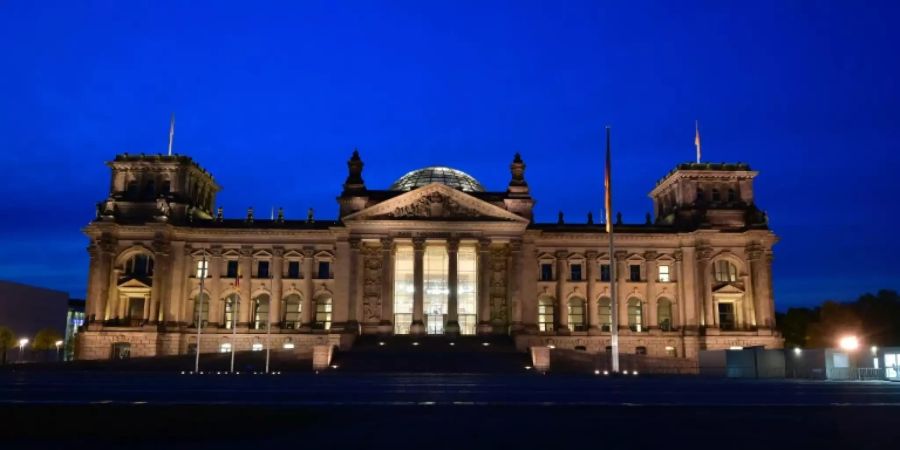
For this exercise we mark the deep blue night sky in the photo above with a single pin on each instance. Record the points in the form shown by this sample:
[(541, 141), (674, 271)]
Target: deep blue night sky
[(273, 98)]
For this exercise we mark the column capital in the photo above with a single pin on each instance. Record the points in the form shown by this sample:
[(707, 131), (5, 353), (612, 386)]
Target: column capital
[(561, 254), (650, 255), (754, 252), (308, 252), (678, 255), (515, 245), (354, 243), (591, 254), (453, 244), (620, 255), (484, 244), (246, 251), (418, 244), (215, 251), (387, 243), (277, 251), (704, 254)]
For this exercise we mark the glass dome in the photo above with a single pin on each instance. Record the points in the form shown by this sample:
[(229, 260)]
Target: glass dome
[(444, 175)]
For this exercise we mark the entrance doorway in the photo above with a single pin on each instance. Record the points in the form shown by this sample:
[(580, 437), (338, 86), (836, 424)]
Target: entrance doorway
[(435, 324)]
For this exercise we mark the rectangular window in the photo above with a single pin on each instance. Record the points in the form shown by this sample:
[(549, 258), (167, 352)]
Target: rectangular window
[(231, 269), (546, 272), (467, 288), (293, 269), (545, 314), (323, 313), (202, 268), (604, 272), (403, 288), (634, 272), (664, 274), (324, 270), (670, 351), (576, 272), (726, 316), (262, 269)]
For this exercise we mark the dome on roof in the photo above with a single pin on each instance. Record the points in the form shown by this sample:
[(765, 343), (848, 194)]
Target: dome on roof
[(436, 174)]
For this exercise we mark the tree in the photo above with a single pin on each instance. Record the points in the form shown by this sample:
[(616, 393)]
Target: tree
[(7, 341), (835, 320), (46, 339), (794, 326)]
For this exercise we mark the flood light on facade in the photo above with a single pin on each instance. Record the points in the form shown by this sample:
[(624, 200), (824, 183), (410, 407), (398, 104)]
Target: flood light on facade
[(381, 343), (23, 342), (288, 346), (849, 343), (485, 344), (797, 351), (625, 372), (551, 346), (257, 347), (596, 372), (735, 347), (605, 372), (874, 350), (415, 343)]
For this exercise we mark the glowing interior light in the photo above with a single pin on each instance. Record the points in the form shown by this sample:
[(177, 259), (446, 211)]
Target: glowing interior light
[(257, 346)]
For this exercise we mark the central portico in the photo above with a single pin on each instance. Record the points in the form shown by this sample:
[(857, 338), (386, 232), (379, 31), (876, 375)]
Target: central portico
[(446, 250)]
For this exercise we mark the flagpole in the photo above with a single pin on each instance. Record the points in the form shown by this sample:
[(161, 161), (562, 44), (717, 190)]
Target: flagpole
[(199, 307), (171, 133), (613, 279), (697, 138)]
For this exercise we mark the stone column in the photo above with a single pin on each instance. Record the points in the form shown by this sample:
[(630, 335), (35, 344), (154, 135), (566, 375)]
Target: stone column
[(650, 267), (484, 287), (681, 298), (704, 287), (342, 291), (593, 316), (562, 306), (453, 282), (759, 279), (692, 298), (276, 275), (621, 279), (306, 312), (515, 276), (245, 261), (418, 324), (387, 286)]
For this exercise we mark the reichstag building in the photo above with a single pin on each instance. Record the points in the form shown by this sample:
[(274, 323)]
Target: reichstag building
[(435, 253)]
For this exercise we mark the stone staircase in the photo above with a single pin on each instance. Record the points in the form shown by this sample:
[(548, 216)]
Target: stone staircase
[(432, 354)]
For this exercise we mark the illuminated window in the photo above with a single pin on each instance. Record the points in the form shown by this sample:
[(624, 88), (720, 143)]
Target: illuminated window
[(576, 314), (225, 347), (121, 350), (664, 314), (231, 269), (545, 314), (135, 312), (201, 310), (232, 303), (202, 269), (403, 288), (467, 288), (292, 309), (664, 273), (670, 351), (435, 270), (575, 270), (323, 312), (604, 313), (725, 271), (260, 318), (634, 314)]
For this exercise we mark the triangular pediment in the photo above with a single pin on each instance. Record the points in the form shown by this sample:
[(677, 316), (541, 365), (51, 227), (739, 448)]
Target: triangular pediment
[(435, 201), (133, 284), (728, 289)]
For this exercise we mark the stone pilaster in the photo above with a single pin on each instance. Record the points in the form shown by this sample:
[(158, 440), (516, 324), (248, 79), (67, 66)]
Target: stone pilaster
[(704, 287), (593, 317), (387, 286), (214, 289), (652, 271), (245, 261), (354, 292), (276, 274), (621, 279), (306, 311), (562, 306), (515, 276)]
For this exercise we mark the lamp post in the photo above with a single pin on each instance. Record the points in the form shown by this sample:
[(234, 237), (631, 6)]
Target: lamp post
[(22, 343), (58, 344)]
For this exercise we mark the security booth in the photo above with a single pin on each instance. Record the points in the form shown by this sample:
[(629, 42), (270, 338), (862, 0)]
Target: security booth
[(891, 363)]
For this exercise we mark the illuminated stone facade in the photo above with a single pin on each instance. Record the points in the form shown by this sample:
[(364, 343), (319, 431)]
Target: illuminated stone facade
[(437, 253)]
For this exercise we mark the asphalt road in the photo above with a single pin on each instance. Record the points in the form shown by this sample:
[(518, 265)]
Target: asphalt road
[(98, 410)]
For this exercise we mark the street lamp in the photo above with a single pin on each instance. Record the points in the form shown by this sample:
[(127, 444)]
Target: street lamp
[(58, 344), (849, 343), (22, 343)]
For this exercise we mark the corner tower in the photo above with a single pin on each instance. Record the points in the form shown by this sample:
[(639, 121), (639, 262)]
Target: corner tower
[(158, 188), (705, 195)]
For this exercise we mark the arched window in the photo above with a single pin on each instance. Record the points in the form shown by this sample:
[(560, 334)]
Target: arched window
[(232, 304), (201, 310), (725, 271), (604, 313), (323, 312), (292, 309), (664, 314), (545, 314), (634, 314), (260, 318), (576, 314), (140, 265)]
